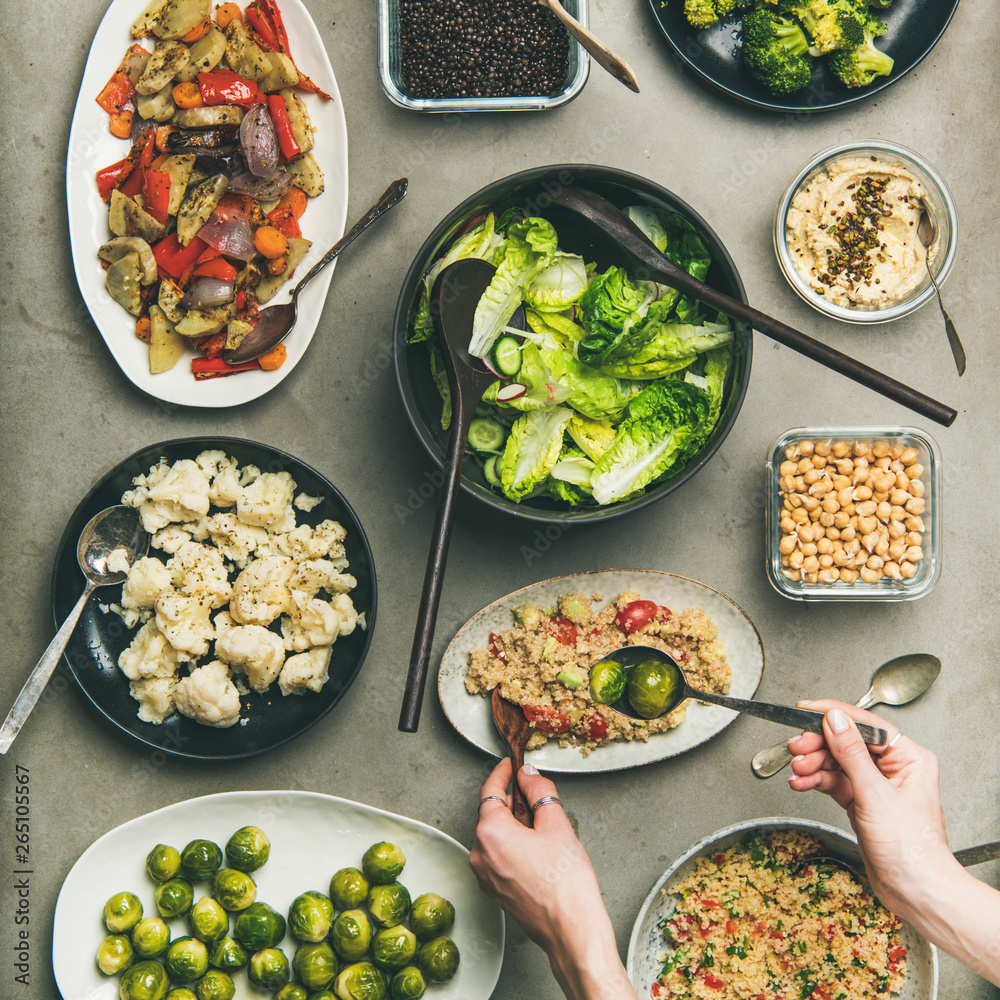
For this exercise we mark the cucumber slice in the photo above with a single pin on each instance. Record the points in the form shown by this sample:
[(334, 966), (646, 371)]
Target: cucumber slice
[(491, 470), (486, 434), (507, 356)]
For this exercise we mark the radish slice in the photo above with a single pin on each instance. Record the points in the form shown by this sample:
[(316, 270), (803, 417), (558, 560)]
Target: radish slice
[(514, 390), (489, 365)]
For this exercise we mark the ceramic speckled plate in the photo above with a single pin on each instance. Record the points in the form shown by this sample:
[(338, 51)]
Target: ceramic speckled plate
[(471, 715), (647, 946), (312, 836)]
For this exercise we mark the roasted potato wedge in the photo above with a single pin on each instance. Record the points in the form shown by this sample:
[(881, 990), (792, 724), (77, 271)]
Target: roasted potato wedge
[(243, 54), (122, 246), (197, 205), (306, 175), (165, 345), (169, 300), (206, 54), (122, 280), (270, 284), (177, 17), (158, 107), (283, 73), (167, 59), (218, 114), (180, 167), (298, 118)]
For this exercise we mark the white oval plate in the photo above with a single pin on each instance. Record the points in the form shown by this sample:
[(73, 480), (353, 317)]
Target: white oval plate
[(470, 714), (92, 147), (647, 942), (312, 836)]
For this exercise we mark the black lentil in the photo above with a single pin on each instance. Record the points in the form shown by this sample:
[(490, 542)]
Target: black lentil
[(481, 48)]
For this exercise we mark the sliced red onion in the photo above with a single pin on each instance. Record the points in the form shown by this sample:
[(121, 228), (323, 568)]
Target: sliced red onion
[(207, 292), (506, 393), (261, 188), (259, 141), (229, 236)]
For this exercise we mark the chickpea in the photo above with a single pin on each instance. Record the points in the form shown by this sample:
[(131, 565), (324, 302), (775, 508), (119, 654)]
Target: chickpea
[(810, 577), (882, 464), (867, 524), (849, 575), (880, 450), (787, 525), (827, 575), (787, 469), (914, 554), (833, 534), (806, 448), (861, 493), (841, 520), (800, 515), (810, 503), (819, 462), (896, 550), (805, 532), (800, 484), (884, 483), (860, 476), (895, 451), (848, 533), (810, 565), (792, 574), (899, 496), (896, 529), (824, 546), (841, 449), (891, 569), (795, 500), (830, 504), (880, 498), (895, 467), (908, 570), (845, 466), (841, 482), (805, 465), (787, 545), (826, 519), (811, 475), (915, 471), (916, 487), (897, 513), (814, 514), (869, 541), (914, 523), (884, 512), (821, 488), (912, 538), (845, 496), (915, 505), (862, 449), (826, 561), (795, 559), (909, 456), (882, 548), (809, 549), (787, 483), (870, 575), (841, 558), (875, 562), (902, 480), (866, 509), (784, 561), (823, 448), (853, 547), (848, 508)]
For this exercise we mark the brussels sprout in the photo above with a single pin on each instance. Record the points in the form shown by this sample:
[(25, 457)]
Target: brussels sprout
[(348, 889), (207, 920), (361, 981), (323, 995), (174, 898), (122, 912), (146, 980), (389, 904), (228, 954), (607, 682), (268, 969), (310, 916), (351, 934), (200, 860), (181, 993), (235, 890), (259, 926), (292, 991), (215, 985), (248, 849), (163, 862), (431, 915), (186, 960), (408, 984), (438, 959), (393, 947), (651, 689), (114, 954), (315, 965), (150, 937), (382, 863)]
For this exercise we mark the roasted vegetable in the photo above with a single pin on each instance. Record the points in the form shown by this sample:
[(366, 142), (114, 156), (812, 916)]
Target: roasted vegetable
[(165, 345), (158, 107), (206, 54), (243, 54), (283, 73), (126, 218), (298, 118), (177, 17), (270, 285), (213, 117), (197, 205), (167, 59), (306, 175)]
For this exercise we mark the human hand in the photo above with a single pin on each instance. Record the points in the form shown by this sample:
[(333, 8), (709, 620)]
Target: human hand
[(543, 878)]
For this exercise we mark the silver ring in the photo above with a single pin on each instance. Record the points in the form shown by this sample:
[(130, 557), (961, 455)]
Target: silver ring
[(545, 800), (892, 743), (494, 798)]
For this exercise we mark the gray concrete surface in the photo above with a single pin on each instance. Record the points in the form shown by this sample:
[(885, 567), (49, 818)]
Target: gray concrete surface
[(70, 414)]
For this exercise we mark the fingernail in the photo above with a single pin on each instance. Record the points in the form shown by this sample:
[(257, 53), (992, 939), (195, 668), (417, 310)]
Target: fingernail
[(529, 769), (838, 721), (803, 704), (795, 760)]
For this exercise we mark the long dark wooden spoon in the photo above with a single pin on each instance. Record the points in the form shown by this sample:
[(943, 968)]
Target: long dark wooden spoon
[(516, 731), (454, 298), (617, 225)]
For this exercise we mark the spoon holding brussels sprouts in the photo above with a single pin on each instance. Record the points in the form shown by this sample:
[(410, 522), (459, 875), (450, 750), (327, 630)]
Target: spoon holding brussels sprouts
[(651, 684)]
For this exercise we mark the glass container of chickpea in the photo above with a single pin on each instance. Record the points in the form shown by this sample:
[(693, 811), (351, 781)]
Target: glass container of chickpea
[(853, 514)]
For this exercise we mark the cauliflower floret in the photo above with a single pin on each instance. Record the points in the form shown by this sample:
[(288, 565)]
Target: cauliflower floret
[(170, 538), (261, 591), (347, 616), (146, 580), (144, 483), (226, 489), (236, 540), (180, 495), (267, 502), (304, 542), (312, 575), (305, 502), (315, 623), (223, 623), (184, 621), (209, 696), (253, 650), (199, 571), (155, 696), (305, 671), (130, 616), (117, 561), (148, 655)]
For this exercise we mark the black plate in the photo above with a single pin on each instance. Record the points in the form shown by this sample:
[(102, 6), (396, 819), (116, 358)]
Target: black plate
[(92, 653), (713, 55)]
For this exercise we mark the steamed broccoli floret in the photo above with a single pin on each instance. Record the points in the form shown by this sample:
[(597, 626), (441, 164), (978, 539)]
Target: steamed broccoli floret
[(857, 67), (705, 13), (831, 24), (776, 52)]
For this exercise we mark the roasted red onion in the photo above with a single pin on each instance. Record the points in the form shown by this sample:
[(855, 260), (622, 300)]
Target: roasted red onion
[(261, 188), (207, 292), (230, 236), (259, 141)]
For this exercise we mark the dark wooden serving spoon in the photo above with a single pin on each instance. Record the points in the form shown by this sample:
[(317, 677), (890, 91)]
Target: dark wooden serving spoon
[(516, 731)]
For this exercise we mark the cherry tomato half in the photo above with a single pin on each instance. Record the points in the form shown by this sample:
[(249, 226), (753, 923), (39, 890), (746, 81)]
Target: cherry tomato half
[(545, 718), (636, 615), (593, 727), (564, 630), (496, 647), (713, 982)]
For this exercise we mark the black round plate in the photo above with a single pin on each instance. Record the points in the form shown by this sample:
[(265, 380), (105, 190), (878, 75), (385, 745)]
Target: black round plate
[(93, 650), (713, 55)]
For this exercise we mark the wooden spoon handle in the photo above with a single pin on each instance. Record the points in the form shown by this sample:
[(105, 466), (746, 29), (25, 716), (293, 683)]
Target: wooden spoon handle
[(521, 809)]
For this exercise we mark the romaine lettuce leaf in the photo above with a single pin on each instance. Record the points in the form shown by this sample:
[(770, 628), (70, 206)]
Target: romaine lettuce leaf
[(558, 286), (592, 437), (552, 329), (533, 447), (588, 391), (673, 348), (610, 306)]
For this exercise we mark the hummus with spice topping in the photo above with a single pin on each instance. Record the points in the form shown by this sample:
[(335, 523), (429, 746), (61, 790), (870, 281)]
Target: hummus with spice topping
[(852, 233)]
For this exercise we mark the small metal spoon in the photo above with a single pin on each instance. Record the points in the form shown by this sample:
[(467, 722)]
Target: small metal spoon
[(276, 322), (114, 529), (927, 234), (516, 731), (631, 656), (897, 682), (613, 63)]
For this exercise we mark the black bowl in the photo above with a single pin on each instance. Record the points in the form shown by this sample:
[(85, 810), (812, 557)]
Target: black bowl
[(271, 718), (530, 190)]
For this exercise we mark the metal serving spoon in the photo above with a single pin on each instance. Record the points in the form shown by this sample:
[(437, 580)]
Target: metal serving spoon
[(276, 322), (927, 234), (613, 63), (516, 731), (677, 689), (115, 529), (897, 682), (645, 257)]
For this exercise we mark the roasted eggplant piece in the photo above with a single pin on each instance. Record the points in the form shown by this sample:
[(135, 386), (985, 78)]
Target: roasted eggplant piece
[(222, 141), (197, 205), (126, 218)]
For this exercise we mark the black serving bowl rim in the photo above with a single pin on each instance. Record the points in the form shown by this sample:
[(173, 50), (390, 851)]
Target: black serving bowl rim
[(585, 174)]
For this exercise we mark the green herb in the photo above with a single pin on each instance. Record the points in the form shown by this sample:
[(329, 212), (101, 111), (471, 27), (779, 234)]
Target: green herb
[(807, 990), (679, 957), (707, 957), (802, 946), (757, 854), (858, 964)]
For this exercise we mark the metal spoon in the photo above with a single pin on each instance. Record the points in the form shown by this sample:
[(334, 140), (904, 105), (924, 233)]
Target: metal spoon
[(927, 234), (644, 257), (676, 688), (116, 529), (613, 63), (276, 322), (515, 729), (897, 682)]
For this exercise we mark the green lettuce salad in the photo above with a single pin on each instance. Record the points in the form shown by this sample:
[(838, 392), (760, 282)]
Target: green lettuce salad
[(614, 385)]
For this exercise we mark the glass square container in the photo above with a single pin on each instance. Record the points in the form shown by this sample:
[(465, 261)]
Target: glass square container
[(789, 447), (391, 77)]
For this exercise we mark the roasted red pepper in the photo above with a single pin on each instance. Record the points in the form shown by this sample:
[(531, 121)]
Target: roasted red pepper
[(173, 259), (156, 192), (283, 219), (132, 183), (203, 368), (107, 179), (212, 346), (222, 86), (118, 91), (265, 20), (283, 127), (215, 268)]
